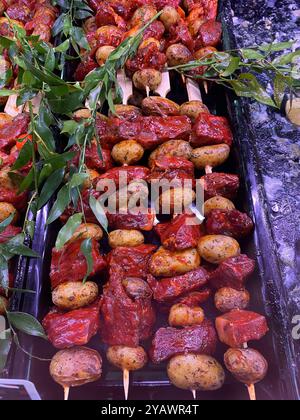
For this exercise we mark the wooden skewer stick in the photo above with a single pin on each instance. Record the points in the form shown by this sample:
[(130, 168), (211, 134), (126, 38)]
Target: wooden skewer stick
[(125, 84), (165, 87), (194, 392), (66, 392), (205, 84), (147, 91), (251, 388), (126, 383), (208, 169)]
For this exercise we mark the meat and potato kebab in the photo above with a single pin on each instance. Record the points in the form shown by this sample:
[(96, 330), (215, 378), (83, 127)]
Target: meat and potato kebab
[(137, 284)]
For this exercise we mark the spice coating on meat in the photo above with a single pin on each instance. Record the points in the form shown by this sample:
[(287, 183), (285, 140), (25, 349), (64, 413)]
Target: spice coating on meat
[(220, 184), (124, 321), (12, 130), (74, 328), (209, 130), (171, 288), (230, 223), (169, 342), (171, 168), (233, 273), (238, 327)]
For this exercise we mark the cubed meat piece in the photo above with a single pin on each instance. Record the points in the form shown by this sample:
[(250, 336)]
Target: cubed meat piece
[(74, 328), (9, 233), (168, 289), (209, 35), (84, 68), (169, 342), (93, 160), (209, 8), (172, 169), (220, 184), (195, 298), (69, 263), (233, 273), (125, 175), (238, 327), (134, 261), (180, 234), (210, 130), (229, 222), (134, 219), (148, 57), (12, 130)]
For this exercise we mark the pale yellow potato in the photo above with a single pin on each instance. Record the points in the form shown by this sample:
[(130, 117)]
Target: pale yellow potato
[(157, 106), (143, 15), (217, 248), (175, 200), (127, 111), (122, 237), (103, 53), (137, 288), (150, 78), (149, 41), (178, 54), (92, 174), (176, 148), (227, 299), (76, 366), (127, 152), (169, 16), (87, 231), (193, 109), (6, 210), (3, 305), (165, 263), (4, 118), (196, 372), (130, 358), (212, 156), (217, 203), (75, 295), (184, 316), (83, 113)]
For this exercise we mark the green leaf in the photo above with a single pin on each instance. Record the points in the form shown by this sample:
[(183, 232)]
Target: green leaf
[(86, 249), (28, 181), (78, 179), (99, 212), (50, 60), (6, 222), (287, 58), (277, 46), (60, 205), (63, 47), (15, 247), (69, 127), (5, 345), (68, 230), (24, 157), (232, 67), (50, 186), (251, 54), (8, 92), (279, 89), (27, 324)]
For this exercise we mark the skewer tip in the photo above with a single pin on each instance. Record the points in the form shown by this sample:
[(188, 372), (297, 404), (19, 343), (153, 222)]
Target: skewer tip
[(252, 392), (66, 392), (147, 91), (194, 392), (126, 383), (205, 84)]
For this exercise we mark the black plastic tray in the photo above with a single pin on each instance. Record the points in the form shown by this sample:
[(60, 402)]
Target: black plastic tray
[(266, 287)]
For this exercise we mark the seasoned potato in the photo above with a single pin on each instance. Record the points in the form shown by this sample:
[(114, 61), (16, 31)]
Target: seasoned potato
[(247, 365), (4, 118), (92, 175), (3, 305), (76, 366), (130, 358), (137, 288), (217, 248), (196, 372), (150, 78), (193, 109), (6, 210), (178, 54), (120, 237), (175, 200), (195, 20), (165, 263), (210, 156), (5, 181), (149, 41), (83, 113), (184, 316), (90, 25), (103, 53), (74, 295), (204, 53), (142, 15), (217, 203), (127, 152), (87, 231), (127, 111), (227, 299), (155, 105), (169, 16), (177, 148)]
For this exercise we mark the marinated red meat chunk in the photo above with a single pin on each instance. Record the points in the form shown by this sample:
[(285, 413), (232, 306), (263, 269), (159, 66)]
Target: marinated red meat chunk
[(238, 327), (134, 261), (171, 288), (172, 168), (155, 30), (209, 130), (132, 219), (107, 16), (19, 201), (69, 263), (148, 57), (84, 68), (233, 273), (93, 160), (220, 184), (75, 328), (209, 7), (9, 233), (124, 321), (179, 234), (125, 175), (12, 130), (168, 342), (150, 132), (209, 35), (195, 298), (19, 12), (179, 34), (229, 222), (160, 4)]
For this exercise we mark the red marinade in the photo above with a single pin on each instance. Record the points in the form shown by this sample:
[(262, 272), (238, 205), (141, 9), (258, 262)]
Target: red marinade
[(221, 184), (12, 130), (209, 130), (229, 222)]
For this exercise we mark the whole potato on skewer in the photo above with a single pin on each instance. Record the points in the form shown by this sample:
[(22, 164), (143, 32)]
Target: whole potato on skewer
[(127, 152), (217, 203), (192, 109), (147, 79), (165, 263), (217, 248), (74, 295), (6, 210), (129, 238), (210, 156), (130, 358), (184, 316)]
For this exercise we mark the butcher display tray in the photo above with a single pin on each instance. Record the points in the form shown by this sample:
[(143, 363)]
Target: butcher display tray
[(266, 287)]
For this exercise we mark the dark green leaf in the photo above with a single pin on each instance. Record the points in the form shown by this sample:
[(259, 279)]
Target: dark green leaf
[(279, 89), (60, 205), (99, 212), (63, 47), (68, 230), (5, 345), (24, 157), (232, 67), (86, 249), (27, 324), (6, 222), (16, 247), (50, 186)]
